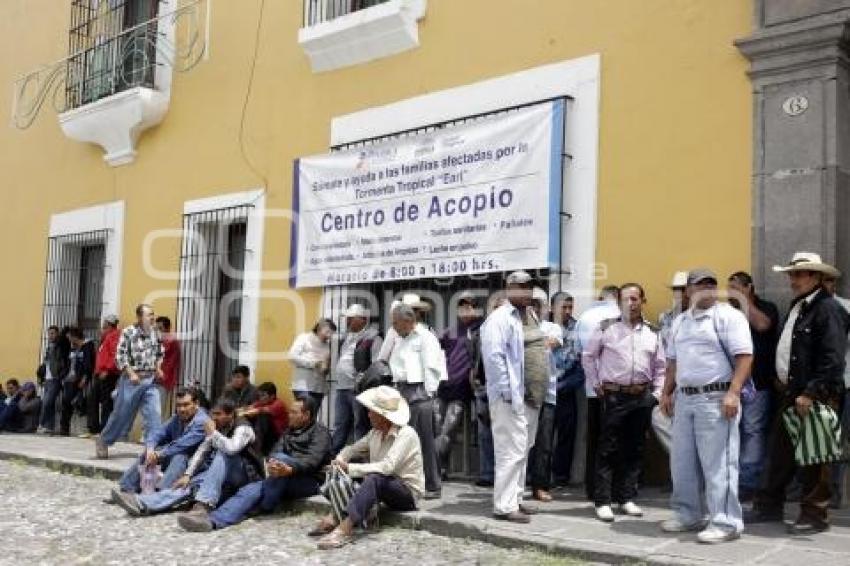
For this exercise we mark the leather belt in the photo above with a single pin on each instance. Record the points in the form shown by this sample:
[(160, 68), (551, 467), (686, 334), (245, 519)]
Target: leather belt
[(710, 388), (635, 389)]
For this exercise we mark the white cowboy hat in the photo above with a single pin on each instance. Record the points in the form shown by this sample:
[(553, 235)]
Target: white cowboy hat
[(414, 301), (680, 280), (808, 261), (356, 311), (387, 402)]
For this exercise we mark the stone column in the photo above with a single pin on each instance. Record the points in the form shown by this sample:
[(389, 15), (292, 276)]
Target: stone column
[(801, 137)]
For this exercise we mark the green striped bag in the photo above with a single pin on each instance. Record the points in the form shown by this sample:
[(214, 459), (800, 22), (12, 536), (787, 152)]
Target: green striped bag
[(817, 437)]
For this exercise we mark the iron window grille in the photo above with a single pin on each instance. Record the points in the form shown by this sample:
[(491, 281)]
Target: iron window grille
[(209, 301), (112, 47), (74, 281), (319, 11), (464, 457)]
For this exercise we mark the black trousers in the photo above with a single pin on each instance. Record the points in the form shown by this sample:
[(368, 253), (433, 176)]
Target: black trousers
[(422, 421), (99, 402), (540, 457), (70, 389), (622, 435), (264, 431), (781, 468), (566, 423), (448, 418), (594, 419)]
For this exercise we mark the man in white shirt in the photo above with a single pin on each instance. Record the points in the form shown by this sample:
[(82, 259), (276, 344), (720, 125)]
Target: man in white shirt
[(418, 364), (606, 307), (709, 355)]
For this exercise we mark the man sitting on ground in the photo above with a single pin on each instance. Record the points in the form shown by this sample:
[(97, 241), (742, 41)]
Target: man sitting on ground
[(240, 390), (228, 456), (21, 410), (294, 472), (392, 474), (172, 445), (268, 415)]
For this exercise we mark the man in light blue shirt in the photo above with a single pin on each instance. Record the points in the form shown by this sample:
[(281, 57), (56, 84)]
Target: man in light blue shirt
[(709, 354), (513, 418)]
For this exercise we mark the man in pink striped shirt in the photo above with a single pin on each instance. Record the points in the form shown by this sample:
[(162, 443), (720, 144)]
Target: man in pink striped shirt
[(624, 363)]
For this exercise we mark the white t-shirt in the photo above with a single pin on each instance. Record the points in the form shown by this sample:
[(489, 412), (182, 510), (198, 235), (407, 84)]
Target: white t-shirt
[(695, 344)]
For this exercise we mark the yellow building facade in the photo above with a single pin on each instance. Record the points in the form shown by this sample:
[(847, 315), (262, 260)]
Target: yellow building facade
[(659, 142)]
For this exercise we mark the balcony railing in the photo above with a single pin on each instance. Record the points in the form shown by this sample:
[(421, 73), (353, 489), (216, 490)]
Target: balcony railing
[(319, 11), (112, 51)]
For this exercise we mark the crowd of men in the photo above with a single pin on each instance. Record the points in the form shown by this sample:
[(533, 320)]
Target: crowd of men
[(746, 404)]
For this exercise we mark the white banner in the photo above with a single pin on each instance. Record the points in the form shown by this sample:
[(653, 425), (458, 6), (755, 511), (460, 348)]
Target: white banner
[(468, 199)]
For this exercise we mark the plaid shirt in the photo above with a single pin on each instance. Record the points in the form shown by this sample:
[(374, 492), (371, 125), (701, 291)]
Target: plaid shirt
[(138, 350)]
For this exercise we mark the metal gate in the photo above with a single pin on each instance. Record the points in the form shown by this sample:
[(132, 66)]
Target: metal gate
[(378, 296), (209, 300), (73, 282)]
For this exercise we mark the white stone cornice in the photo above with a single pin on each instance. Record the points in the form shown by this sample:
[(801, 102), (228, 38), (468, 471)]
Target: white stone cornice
[(116, 122), (362, 36)]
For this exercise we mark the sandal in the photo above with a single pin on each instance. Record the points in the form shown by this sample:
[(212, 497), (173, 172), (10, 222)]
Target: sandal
[(321, 529), (335, 539)]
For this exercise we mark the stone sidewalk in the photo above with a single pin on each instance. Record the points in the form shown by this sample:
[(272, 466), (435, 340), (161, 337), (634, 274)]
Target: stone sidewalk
[(566, 526)]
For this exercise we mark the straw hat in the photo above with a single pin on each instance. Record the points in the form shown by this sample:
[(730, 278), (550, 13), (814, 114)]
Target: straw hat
[(808, 261), (387, 402), (414, 301), (356, 311)]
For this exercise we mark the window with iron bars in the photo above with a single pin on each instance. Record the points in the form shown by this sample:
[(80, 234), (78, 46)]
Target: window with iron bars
[(319, 11), (73, 284), (464, 454), (209, 302), (112, 48)]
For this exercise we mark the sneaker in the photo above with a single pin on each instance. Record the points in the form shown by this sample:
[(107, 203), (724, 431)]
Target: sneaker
[(808, 527), (677, 526), (85, 435), (101, 450), (432, 494), (129, 503), (714, 535), (605, 514), (483, 483), (41, 430), (631, 509)]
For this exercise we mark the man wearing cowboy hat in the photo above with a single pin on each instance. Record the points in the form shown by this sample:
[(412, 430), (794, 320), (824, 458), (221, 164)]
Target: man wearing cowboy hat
[(810, 368), (392, 473), (360, 345), (418, 365)]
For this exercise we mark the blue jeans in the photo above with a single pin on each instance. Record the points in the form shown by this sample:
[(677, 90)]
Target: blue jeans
[(224, 470), (130, 399), (755, 420), (349, 414), (172, 468), (704, 455), (486, 454), (268, 493), (48, 403)]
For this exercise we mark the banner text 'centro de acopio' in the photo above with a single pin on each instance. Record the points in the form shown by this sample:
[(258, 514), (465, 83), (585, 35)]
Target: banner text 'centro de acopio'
[(469, 199)]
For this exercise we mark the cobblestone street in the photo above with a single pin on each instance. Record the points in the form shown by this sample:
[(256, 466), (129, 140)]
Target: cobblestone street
[(52, 518)]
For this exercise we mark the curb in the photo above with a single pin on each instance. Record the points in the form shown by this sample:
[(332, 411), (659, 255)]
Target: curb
[(417, 520)]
